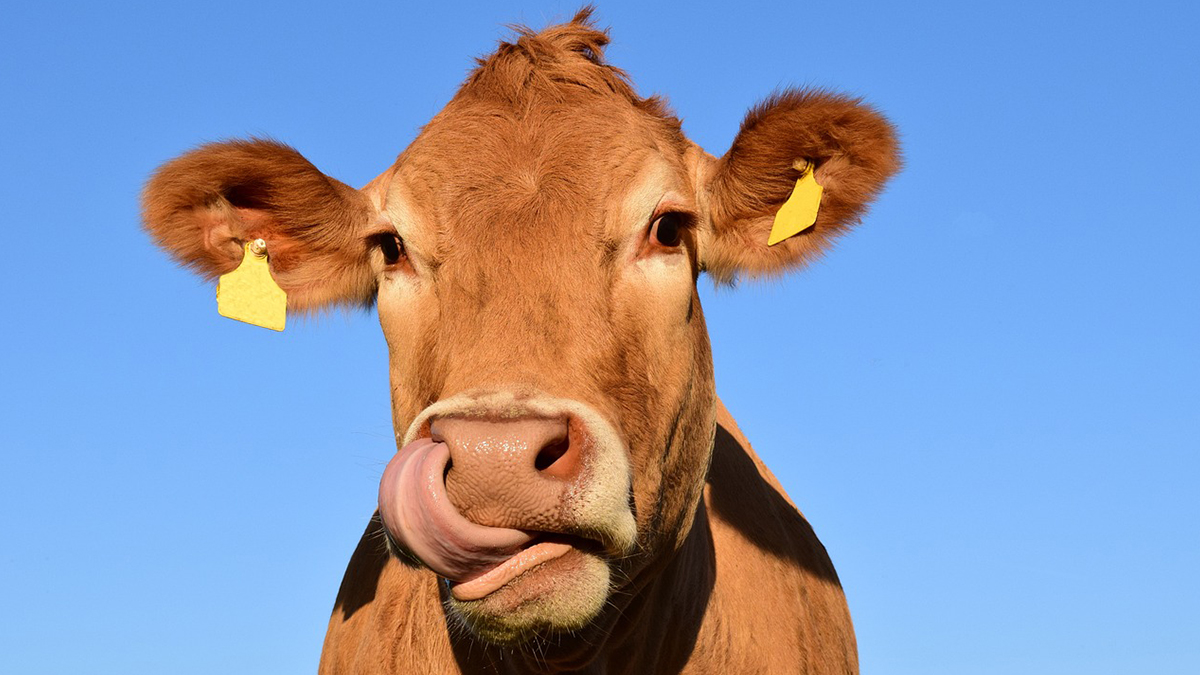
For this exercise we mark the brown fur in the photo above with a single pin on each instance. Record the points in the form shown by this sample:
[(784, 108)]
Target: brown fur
[(524, 206)]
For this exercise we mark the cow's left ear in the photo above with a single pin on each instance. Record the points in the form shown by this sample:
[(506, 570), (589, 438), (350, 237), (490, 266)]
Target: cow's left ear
[(854, 150), (203, 206)]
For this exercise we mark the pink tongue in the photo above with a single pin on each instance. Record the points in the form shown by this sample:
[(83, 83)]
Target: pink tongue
[(418, 514)]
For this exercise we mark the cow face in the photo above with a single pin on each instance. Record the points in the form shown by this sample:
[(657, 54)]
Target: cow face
[(534, 257)]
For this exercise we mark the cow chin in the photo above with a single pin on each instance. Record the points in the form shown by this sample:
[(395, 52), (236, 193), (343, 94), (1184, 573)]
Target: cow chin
[(561, 595)]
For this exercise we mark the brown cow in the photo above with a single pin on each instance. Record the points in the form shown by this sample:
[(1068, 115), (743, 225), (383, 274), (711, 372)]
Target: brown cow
[(569, 494)]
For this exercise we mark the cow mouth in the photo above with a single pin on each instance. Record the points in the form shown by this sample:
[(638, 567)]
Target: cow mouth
[(542, 549), (476, 559)]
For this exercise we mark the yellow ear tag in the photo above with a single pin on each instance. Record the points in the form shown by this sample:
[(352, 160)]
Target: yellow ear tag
[(250, 294), (799, 212)]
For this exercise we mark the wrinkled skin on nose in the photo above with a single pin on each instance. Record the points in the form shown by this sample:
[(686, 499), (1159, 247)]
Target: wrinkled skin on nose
[(510, 473)]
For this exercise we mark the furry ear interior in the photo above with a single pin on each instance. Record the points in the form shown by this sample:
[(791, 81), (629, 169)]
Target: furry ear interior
[(202, 206), (854, 150)]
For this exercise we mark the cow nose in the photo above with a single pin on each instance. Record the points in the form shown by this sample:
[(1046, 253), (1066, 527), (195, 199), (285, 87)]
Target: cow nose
[(509, 473)]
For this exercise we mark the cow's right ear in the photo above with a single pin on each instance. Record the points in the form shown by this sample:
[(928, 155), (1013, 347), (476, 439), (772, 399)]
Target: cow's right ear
[(202, 207)]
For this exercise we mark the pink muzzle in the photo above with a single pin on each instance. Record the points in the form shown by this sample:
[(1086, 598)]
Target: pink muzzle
[(521, 469)]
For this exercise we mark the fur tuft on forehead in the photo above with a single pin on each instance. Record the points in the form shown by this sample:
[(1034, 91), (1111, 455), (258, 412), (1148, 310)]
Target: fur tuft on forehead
[(567, 55)]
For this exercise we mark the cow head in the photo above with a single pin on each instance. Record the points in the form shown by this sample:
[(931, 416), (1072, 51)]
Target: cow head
[(534, 255)]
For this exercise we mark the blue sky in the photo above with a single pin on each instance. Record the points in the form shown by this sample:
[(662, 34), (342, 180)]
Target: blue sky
[(990, 414)]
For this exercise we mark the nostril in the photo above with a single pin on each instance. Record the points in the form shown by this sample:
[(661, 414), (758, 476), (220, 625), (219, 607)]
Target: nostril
[(551, 453)]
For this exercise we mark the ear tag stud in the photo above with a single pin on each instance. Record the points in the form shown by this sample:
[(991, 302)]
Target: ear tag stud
[(250, 294), (799, 212)]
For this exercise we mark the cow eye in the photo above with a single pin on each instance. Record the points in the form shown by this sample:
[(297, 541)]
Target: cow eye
[(392, 247), (668, 229)]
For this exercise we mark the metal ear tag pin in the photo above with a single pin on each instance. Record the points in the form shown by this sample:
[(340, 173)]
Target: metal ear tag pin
[(799, 212), (249, 293)]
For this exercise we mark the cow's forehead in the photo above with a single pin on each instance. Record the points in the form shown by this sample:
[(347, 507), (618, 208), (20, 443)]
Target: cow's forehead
[(544, 174)]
